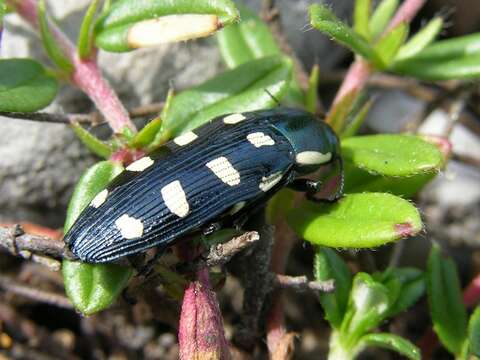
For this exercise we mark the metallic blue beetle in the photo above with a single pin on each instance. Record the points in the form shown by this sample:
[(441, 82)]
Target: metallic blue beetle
[(216, 174)]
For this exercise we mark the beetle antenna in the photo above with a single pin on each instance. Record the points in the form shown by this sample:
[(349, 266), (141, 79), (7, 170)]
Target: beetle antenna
[(273, 97)]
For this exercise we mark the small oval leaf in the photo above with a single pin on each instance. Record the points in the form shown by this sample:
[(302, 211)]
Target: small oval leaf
[(246, 88), (328, 265), (94, 180), (461, 68), (368, 305), (322, 19), (246, 40), (421, 39), (92, 288), (85, 37), (388, 46), (53, 49), (412, 287), (450, 49), (474, 333), (129, 24), (361, 14), (25, 86), (392, 155), (445, 298), (393, 342), (94, 144), (356, 221), (252, 39), (381, 16), (147, 135)]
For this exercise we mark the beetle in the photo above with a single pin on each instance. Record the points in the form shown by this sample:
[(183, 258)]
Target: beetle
[(214, 175)]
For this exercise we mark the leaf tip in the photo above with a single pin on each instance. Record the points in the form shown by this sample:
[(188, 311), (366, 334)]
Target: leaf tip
[(406, 229)]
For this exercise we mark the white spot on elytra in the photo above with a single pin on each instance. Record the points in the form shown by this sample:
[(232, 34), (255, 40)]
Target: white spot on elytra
[(140, 164), (270, 181), (185, 139), (237, 207), (312, 158), (233, 119), (99, 199), (171, 28), (259, 139), (224, 170), (175, 199), (129, 227)]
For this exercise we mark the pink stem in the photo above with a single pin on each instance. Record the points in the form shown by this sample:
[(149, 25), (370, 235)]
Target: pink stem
[(360, 71), (85, 75), (355, 79), (406, 13)]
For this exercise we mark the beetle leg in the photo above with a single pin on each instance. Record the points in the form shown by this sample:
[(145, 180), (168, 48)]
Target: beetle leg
[(211, 228), (240, 221), (304, 185)]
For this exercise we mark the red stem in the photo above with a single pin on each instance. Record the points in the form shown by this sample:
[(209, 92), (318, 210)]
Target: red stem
[(360, 71), (86, 74), (406, 13), (355, 79)]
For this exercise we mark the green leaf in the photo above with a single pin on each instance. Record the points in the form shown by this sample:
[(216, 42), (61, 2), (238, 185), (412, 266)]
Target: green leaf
[(50, 44), (325, 21), (456, 58), (94, 180), (356, 221), (352, 127), (368, 304), (358, 181), (128, 25), (455, 48), (311, 97), (252, 39), (92, 288), (328, 265), (462, 68), (445, 298), (392, 155), (412, 287), (388, 46), (421, 39), (246, 40), (147, 135), (244, 88), (94, 144), (25, 86), (382, 16), (474, 333), (85, 39), (361, 16), (338, 115), (392, 342)]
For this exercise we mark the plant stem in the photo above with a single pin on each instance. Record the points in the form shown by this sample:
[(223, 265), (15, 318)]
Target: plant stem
[(356, 78), (85, 75), (336, 349), (406, 13)]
